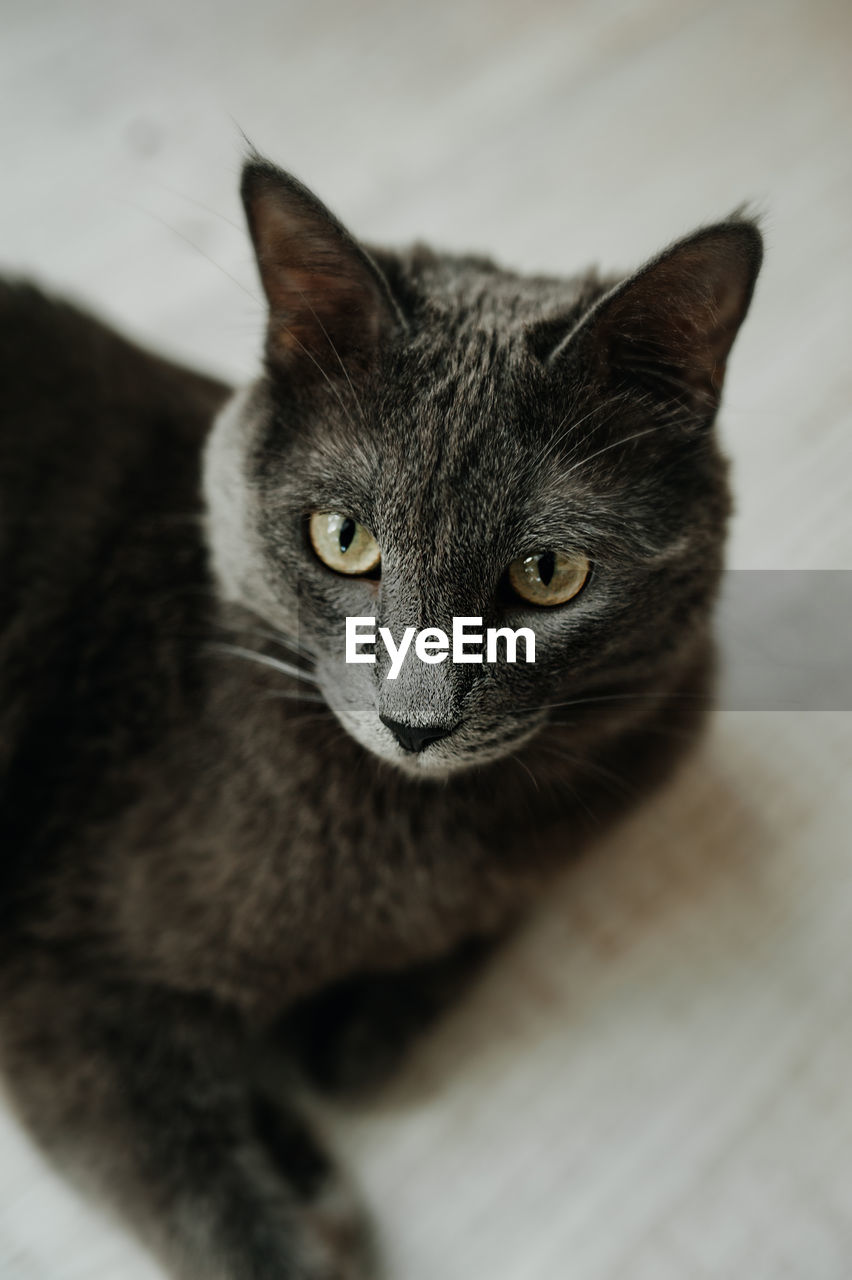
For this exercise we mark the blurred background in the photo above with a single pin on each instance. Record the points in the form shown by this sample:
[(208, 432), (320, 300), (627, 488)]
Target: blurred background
[(653, 1079)]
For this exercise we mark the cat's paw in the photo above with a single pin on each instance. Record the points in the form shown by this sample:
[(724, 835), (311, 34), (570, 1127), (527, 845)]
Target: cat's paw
[(344, 1235), (350, 1038)]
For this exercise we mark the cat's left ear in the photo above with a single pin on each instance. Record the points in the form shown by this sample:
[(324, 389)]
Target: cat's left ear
[(667, 330), (329, 304)]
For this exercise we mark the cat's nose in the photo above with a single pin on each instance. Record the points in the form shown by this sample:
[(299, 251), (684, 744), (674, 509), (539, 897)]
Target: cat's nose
[(413, 737)]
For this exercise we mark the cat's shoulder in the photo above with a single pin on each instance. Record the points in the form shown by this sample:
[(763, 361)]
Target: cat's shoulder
[(100, 445), (54, 352)]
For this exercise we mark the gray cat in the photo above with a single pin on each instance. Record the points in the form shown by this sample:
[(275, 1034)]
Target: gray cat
[(228, 853)]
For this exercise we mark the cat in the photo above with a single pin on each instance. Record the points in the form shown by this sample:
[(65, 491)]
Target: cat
[(227, 852)]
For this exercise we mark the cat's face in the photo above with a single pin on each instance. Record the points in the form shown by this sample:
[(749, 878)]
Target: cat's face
[(437, 439)]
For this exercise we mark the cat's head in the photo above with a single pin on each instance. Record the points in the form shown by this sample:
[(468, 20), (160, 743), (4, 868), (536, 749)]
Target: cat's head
[(434, 438)]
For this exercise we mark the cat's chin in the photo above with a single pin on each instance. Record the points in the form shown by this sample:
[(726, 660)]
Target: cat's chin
[(425, 770), (437, 762), (428, 767)]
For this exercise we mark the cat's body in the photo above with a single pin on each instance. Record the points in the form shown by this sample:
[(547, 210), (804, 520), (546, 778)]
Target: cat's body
[(190, 850)]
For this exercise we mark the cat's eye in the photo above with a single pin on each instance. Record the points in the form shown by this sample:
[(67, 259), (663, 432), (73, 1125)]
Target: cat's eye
[(343, 544), (549, 577)]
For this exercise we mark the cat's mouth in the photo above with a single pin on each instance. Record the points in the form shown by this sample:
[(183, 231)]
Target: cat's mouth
[(424, 750), (429, 750), (441, 760)]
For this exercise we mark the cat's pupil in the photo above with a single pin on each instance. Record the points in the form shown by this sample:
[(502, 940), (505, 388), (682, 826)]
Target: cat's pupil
[(546, 567), (347, 533)]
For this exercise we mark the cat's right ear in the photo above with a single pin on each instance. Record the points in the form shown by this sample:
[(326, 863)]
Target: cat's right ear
[(666, 332), (330, 307)]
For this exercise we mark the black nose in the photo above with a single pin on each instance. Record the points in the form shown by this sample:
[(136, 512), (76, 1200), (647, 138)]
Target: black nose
[(412, 737)]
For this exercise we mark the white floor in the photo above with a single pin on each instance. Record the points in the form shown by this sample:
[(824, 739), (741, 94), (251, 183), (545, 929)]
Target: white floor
[(653, 1082)]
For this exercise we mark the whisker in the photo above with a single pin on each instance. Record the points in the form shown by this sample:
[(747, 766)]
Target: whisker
[(286, 642), (264, 660), (141, 209), (517, 759), (335, 391), (337, 355), (199, 204), (622, 697), (613, 401), (663, 731), (295, 697), (585, 765), (564, 785), (614, 444)]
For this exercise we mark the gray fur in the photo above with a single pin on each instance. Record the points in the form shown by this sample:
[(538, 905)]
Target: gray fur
[(211, 843)]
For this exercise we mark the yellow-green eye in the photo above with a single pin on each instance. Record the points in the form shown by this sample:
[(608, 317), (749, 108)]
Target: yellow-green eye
[(342, 543), (549, 577)]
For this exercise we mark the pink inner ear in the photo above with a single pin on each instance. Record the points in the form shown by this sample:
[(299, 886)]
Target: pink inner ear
[(680, 317), (322, 314), (325, 307), (713, 285)]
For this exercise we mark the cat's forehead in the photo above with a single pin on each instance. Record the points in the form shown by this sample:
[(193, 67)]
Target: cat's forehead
[(454, 432), (462, 411), (452, 409), (469, 292), (459, 457)]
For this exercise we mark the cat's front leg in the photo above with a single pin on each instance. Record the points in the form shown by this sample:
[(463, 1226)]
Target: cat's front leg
[(140, 1096), (349, 1037)]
